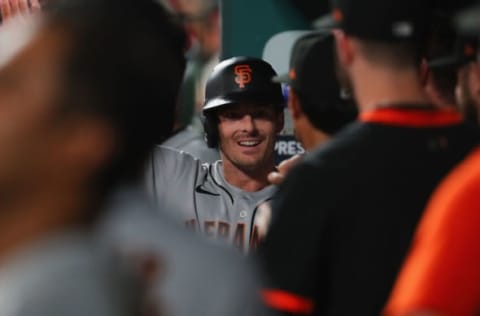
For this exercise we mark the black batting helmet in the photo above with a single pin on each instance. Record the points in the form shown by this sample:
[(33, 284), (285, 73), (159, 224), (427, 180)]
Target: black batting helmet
[(238, 80)]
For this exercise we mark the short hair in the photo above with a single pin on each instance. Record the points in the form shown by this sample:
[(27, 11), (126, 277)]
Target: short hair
[(393, 55), (125, 66)]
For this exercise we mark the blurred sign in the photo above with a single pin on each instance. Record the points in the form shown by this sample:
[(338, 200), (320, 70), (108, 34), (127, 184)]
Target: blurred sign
[(287, 146)]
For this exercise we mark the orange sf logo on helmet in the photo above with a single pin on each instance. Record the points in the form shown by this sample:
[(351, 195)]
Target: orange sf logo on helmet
[(243, 75)]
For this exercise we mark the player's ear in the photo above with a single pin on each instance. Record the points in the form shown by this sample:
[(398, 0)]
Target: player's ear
[(344, 48)]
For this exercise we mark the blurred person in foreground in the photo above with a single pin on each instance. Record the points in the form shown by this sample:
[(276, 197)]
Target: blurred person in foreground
[(82, 112), (453, 77), (346, 214), (61, 155), (441, 275), (468, 83), (468, 88), (12, 8)]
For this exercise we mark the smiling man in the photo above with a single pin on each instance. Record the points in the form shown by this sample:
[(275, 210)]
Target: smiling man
[(226, 200)]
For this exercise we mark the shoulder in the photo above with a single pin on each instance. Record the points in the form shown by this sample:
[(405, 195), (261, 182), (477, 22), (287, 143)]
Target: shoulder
[(199, 149), (167, 160), (180, 138)]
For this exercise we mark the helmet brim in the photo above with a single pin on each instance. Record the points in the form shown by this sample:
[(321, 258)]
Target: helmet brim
[(217, 102), (239, 98)]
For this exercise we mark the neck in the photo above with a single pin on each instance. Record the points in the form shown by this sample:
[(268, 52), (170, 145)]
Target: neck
[(26, 218), (375, 85), (308, 135), (247, 180), (436, 97)]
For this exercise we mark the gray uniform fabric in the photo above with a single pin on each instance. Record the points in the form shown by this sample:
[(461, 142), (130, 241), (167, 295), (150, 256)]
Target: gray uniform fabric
[(66, 274), (195, 278), (191, 140), (200, 197), (203, 201)]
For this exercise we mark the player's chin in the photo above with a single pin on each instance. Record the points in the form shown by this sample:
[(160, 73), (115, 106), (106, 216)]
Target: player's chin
[(253, 162)]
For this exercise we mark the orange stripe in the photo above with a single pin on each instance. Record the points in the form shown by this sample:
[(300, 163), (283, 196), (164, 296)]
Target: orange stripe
[(287, 302), (412, 117)]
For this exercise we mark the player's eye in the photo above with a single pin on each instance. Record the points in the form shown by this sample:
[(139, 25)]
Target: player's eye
[(231, 115)]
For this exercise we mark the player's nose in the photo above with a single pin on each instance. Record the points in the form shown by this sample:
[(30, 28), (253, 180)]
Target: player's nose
[(248, 123)]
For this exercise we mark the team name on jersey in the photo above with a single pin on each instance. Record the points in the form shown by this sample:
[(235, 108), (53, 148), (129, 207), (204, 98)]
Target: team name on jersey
[(235, 234)]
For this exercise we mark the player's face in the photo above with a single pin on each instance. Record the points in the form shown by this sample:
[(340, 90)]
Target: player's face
[(247, 135)]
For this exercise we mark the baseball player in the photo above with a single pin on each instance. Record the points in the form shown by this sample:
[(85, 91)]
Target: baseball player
[(351, 207), (440, 275), (226, 200), (60, 160), (320, 107)]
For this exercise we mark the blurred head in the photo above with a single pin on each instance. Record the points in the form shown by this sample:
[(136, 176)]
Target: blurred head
[(34, 137), (201, 19), (317, 100), (468, 92), (468, 88), (243, 111), (381, 34), (87, 96)]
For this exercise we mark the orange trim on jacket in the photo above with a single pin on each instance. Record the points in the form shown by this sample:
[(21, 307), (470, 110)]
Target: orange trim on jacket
[(287, 302), (411, 117)]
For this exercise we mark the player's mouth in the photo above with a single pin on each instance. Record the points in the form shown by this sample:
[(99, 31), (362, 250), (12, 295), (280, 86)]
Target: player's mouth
[(249, 143)]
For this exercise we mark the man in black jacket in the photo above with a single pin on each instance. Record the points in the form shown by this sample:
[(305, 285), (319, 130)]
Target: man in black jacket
[(346, 215)]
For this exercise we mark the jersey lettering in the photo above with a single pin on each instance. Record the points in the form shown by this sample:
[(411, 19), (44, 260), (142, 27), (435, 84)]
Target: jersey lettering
[(255, 239), (239, 238), (221, 230), (209, 227), (191, 225)]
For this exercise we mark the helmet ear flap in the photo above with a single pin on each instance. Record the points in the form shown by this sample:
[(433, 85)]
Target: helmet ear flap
[(210, 127)]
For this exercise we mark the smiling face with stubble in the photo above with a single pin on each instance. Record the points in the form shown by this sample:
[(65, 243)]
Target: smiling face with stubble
[(247, 134)]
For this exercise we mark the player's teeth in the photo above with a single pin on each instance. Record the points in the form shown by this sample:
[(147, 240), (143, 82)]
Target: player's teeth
[(249, 143)]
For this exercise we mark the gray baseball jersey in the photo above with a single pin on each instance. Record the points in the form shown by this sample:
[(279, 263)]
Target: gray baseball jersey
[(200, 197), (191, 140), (195, 277)]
